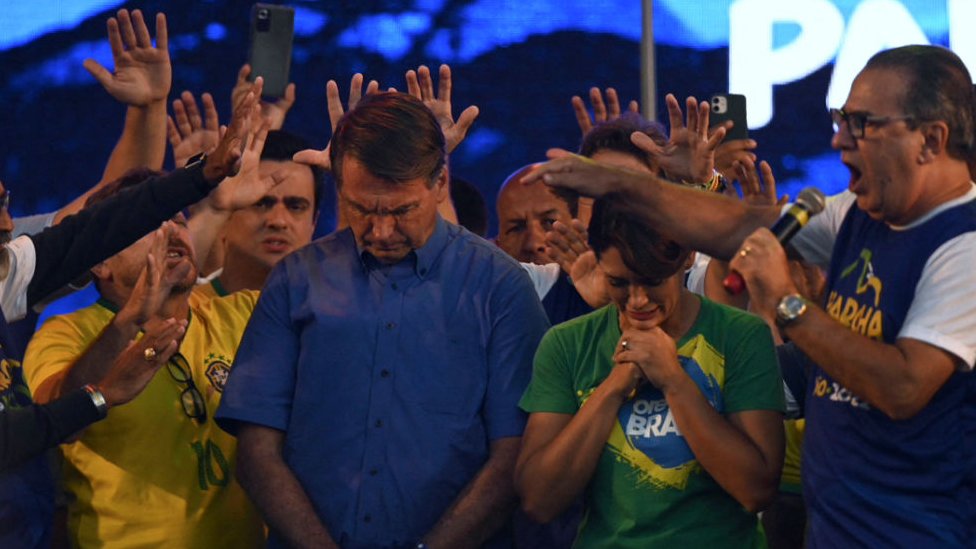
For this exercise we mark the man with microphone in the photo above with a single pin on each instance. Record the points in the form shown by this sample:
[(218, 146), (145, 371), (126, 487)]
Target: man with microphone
[(889, 443)]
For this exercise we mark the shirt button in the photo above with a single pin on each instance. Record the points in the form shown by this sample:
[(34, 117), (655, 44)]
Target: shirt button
[(367, 518), (379, 423), (384, 373), (373, 472), (390, 325)]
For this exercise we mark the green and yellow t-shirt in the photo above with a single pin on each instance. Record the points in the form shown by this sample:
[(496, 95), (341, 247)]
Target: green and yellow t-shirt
[(648, 489), (148, 475)]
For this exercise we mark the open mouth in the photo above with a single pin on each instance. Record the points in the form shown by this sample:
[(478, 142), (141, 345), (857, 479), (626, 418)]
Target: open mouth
[(855, 176), (276, 245)]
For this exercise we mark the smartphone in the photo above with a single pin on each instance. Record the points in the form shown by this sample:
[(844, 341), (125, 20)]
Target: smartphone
[(272, 29), (730, 106)]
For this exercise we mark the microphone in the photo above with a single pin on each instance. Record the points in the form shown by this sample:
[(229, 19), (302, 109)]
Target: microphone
[(809, 203)]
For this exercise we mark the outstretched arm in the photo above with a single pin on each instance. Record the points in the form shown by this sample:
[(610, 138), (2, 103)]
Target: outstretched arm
[(141, 80)]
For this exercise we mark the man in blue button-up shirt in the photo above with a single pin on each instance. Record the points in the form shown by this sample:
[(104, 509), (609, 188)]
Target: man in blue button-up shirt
[(375, 391)]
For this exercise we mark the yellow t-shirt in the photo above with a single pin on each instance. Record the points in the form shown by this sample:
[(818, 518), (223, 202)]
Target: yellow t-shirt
[(148, 475), (205, 292), (790, 479)]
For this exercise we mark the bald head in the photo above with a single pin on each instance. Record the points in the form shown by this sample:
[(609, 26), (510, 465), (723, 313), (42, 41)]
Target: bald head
[(525, 213)]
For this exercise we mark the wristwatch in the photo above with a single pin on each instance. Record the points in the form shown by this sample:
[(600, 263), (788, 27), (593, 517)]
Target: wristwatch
[(790, 308), (98, 400)]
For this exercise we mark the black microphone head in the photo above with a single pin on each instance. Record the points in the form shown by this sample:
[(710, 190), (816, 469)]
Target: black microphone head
[(812, 200)]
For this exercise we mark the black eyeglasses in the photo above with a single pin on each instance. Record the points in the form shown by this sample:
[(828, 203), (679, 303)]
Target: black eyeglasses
[(857, 121), (193, 404)]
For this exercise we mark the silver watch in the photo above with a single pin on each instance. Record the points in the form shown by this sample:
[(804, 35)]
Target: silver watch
[(790, 308)]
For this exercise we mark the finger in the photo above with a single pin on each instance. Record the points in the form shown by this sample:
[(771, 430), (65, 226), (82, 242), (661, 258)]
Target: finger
[(288, 99), (211, 120), (334, 103), (634, 106), (644, 142), (426, 83), (465, 120), (355, 90), (257, 142), (413, 86), (166, 352), (704, 112), (582, 117), (374, 87), (192, 112), (674, 112), (613, 104), (172, 134), (444, 84), (769, 182), (125, 27), (716, 138), (115, 38), (691, 114), (243, 73), (312, 157), (391, 89), (181, 118), (143, 40), (100, 73), (599, 109), (162, 33)]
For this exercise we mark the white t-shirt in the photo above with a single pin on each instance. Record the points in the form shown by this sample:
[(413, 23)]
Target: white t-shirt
[(543, 277), (943, 313), (13, 287)]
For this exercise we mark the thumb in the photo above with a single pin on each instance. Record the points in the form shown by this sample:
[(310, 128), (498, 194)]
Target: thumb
[(312, 157), (644, 142), (99, 72)]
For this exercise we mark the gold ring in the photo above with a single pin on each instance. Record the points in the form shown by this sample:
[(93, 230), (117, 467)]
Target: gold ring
[(149, 354), (744, 251), (625, 345)]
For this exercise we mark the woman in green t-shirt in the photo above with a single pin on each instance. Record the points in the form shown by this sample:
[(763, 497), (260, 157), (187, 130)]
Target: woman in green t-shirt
[(663, 409)]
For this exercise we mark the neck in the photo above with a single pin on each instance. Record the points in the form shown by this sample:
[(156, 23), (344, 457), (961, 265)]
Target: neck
[(241, 274), (944, 185)]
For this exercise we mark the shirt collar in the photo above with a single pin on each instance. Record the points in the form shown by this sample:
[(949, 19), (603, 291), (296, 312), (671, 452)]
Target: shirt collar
[(423, 257)]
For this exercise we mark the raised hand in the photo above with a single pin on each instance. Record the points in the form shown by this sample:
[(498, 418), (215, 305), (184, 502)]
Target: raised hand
[(143, 73), (756, 190), (566, 245), (246, 187), (320, 158), (188, 132), (274, 111), (421, 85), (131, 371), (689, 154), (156, 280), (730, 152), (601, 111), (576, 173), (222, 162)]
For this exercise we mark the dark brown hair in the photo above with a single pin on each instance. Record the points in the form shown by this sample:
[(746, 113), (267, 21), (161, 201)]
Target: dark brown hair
[(648, 253), (394, 136)]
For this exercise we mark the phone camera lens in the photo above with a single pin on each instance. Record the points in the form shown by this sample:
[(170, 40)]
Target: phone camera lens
[(263, 13)]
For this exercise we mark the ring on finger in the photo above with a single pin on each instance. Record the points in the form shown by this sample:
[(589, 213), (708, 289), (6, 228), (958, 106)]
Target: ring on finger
[(625, 345), (149, 354), (745, 251)]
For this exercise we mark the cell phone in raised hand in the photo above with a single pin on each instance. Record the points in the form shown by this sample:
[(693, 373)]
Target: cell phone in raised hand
[(730, 106), (272, 29)]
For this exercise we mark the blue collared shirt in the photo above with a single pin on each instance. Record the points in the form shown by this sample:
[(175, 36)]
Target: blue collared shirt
[(390, 382)]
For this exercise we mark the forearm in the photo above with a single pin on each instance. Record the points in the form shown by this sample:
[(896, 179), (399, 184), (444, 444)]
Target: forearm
[(276, 492), (80, 241), (552, 477), (26, 432), (737, 464), (205, 226), (142, 143), (485, 504), (712, 223), (95, 362), (883, 375)]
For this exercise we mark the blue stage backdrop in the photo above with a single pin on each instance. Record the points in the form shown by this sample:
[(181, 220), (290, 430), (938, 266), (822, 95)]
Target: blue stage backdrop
[(519, 61)]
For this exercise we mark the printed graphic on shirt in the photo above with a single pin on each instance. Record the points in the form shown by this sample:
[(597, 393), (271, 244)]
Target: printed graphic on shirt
[(860, 312), (13, 391), (217, 370), (646, 436)]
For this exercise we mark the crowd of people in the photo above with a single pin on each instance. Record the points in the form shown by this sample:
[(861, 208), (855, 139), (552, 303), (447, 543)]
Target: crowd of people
[(582, 379)]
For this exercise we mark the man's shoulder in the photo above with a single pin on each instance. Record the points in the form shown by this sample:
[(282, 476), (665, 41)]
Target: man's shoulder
[(469, 244), (87, 320)]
